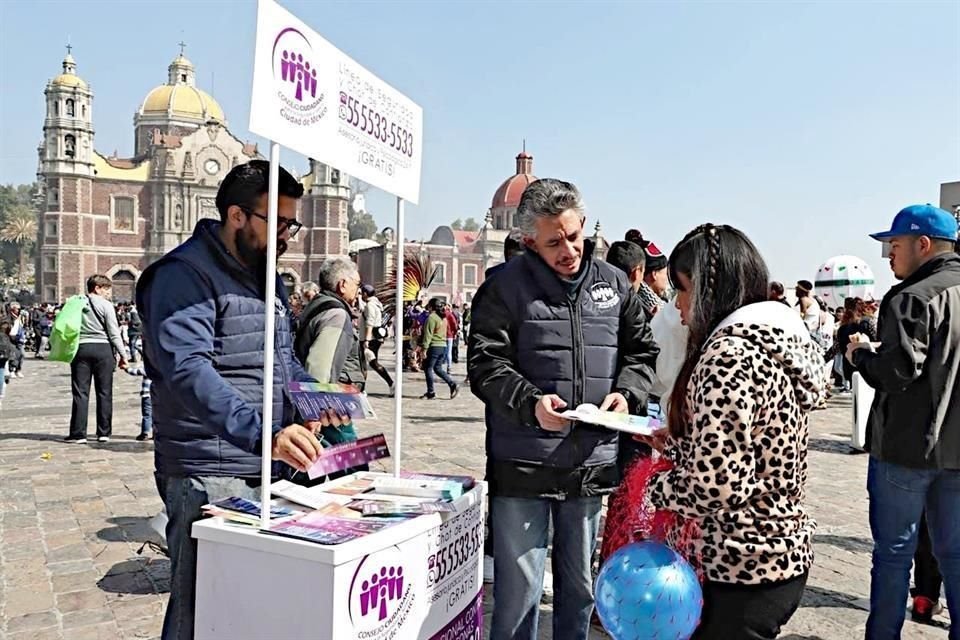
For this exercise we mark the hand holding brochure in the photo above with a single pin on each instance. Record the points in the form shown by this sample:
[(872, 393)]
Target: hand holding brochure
[(637, 425), (349, 454), (313, 398)]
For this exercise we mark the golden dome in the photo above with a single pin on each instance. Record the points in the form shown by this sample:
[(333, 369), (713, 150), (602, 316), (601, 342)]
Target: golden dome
[(181, 101), (69, 80), (69, 77)]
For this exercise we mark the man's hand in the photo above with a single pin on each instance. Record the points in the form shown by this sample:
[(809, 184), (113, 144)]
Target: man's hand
[(297, 446), (857, 341), (547, 416), (329, 418), (615, 402), (121, 362)]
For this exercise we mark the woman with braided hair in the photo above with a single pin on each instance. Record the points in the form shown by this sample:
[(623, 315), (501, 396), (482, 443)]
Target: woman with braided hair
[(738, 435)]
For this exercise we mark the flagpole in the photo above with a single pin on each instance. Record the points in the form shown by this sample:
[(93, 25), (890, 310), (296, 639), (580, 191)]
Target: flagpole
[(269, 322), (398, 343)]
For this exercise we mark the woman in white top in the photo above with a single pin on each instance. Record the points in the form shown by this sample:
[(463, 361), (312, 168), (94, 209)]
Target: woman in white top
[(809, 309)]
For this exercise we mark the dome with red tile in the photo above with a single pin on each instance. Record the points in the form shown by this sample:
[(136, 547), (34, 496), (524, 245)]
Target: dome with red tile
[(508, 195)]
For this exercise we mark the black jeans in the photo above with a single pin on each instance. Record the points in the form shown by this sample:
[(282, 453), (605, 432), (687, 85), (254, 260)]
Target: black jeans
[(93, 361), (750, 611), (374, 346)]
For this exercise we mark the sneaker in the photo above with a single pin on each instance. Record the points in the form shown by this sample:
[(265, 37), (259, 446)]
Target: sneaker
[(428, 396), (144, 436), (487, 569), (18, 375), (393, 390), (75, 439), (103, 439), (924, 609), (454, 390)]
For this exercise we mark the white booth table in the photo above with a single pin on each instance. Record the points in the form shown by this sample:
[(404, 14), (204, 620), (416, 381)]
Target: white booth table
[(420, 579)]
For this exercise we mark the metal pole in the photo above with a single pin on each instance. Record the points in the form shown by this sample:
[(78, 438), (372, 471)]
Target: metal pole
[(269, 321), (398, 343)]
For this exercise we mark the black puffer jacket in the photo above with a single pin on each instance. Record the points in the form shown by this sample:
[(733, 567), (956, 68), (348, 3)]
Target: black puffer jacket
[(915, 417), (531, 335)]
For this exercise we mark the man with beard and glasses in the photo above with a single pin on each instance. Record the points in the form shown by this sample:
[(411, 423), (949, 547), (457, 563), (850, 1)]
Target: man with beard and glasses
[(202, 307)]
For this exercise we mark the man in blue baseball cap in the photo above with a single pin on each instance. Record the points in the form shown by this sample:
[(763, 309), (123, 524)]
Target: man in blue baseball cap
[(914, 424)]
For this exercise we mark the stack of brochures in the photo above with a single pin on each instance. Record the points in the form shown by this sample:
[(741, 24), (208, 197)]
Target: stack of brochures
[(246, 512)]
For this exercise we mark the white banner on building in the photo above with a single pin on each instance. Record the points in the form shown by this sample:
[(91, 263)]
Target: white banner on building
[(311, 97)]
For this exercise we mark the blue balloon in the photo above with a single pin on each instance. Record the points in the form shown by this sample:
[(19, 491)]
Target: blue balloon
[(646, 590)]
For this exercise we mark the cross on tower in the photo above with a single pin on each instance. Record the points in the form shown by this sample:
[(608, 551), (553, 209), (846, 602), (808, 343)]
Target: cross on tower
[(69, 48), (182, 46)]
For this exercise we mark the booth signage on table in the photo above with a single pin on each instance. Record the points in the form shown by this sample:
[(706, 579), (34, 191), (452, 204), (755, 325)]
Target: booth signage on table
[(420, 578)]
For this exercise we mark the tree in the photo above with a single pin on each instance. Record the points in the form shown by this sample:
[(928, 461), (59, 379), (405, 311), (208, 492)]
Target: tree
[(20, 229), (471, 225), (360, 224), (10, 197), (457, 225)]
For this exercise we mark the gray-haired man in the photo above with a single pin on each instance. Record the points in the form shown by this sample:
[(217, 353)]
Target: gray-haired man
[(310, 291), (555, 328), (327, 343)]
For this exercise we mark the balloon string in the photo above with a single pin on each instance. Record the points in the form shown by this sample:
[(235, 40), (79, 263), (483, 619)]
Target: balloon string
[(632, 517)]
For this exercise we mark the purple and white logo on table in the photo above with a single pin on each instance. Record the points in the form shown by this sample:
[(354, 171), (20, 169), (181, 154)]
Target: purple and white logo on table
[(381, 594), (295, 76)]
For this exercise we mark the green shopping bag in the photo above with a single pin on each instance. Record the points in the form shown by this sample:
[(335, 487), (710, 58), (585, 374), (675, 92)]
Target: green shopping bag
[(65, 335)]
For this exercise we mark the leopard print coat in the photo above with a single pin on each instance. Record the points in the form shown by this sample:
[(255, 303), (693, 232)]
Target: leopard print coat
[(741, 470)]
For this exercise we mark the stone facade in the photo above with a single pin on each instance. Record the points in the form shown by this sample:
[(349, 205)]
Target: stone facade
[(111, 215)]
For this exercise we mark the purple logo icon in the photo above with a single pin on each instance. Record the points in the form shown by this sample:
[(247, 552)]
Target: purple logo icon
[(380, 589), (295, 70)]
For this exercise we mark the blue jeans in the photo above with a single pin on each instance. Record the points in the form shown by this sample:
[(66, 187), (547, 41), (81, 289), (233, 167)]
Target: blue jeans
[(898, 496), (146, 415), (183, 498), (520, 556), (434, 364)]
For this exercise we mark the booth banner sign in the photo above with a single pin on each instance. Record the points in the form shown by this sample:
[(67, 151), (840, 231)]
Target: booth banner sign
[(429, 587), (313, 98)]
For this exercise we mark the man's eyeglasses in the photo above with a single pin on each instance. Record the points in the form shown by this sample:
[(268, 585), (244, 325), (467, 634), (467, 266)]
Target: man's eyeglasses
[(290, 224)]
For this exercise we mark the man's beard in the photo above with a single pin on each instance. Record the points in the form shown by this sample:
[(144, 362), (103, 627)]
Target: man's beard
[(254, 258)]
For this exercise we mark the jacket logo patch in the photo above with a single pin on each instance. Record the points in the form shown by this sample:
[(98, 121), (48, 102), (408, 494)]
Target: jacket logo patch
[(604, 295)]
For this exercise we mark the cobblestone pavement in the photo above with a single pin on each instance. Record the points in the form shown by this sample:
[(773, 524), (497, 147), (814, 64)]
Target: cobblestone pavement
[(73, 517)]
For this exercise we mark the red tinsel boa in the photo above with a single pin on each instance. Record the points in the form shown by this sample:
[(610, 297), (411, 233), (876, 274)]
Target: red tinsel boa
[(631, 517)]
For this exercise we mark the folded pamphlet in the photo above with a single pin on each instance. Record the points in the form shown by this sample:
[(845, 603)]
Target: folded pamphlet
[(312, 399), (349, 454), (637, 425), (324, 529)]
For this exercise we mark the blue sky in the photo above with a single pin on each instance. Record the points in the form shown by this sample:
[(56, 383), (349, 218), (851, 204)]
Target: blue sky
[(806, 125)]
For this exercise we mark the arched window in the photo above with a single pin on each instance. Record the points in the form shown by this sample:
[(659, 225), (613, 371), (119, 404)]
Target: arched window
[(83, 110), (70, 145), (71, 110), (56, 107), (124, 285)]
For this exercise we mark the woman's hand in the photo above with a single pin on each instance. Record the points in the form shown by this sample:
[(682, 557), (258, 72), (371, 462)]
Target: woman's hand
[(657, 441)]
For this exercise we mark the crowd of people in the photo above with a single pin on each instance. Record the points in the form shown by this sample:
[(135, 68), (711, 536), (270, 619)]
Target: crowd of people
[(750, 372), (701, 338)]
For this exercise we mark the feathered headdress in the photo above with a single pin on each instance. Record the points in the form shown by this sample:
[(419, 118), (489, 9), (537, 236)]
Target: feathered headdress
[(418, 274)]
